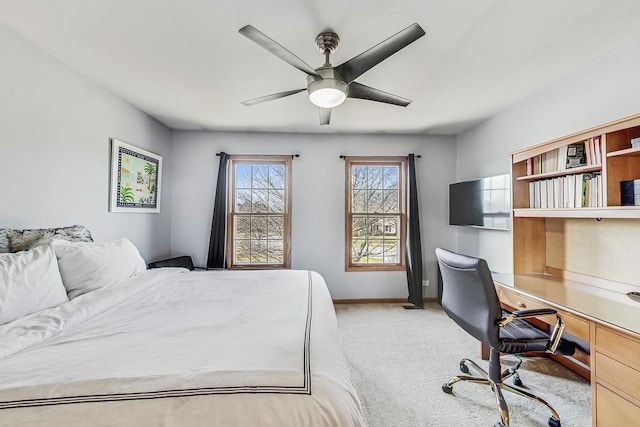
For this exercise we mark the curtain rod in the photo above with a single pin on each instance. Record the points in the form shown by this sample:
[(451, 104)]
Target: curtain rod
[(418, 156), (261, 155)]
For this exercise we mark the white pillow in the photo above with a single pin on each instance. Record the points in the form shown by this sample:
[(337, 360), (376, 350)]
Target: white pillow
[(29, 282), (86, 266)]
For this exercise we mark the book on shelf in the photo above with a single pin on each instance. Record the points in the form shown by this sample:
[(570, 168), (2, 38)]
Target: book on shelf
[(597, 150), (630, 192), (569, 191), (576, 155), (585, 153)]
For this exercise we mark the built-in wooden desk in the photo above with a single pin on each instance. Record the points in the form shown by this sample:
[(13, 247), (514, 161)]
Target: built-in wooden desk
[(607, 320)]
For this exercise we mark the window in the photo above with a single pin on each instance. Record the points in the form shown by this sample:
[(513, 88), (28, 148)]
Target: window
[(259, 225), (375, 213)]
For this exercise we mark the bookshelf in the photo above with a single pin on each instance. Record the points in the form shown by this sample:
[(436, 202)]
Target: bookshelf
[(584, 259), (613, 160)]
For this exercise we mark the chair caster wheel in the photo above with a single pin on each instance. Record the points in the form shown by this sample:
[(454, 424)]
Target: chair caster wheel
[(554, 422), (517, 381), (464, 368), (447, 388)]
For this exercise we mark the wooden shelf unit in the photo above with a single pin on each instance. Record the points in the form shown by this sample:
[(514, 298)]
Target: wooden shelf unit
[(597, 247)]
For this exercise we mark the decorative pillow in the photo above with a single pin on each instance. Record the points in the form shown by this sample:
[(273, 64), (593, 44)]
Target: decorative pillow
[(4, 241), (29, 282), (23, 240), (88, 266)]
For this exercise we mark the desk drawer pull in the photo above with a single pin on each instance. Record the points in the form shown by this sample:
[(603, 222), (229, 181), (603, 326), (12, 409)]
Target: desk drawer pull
[(521, 304)]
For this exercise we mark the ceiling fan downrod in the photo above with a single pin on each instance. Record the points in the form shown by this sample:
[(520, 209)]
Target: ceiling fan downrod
[(327, 43)]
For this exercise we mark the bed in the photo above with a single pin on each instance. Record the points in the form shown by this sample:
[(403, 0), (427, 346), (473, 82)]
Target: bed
[(169, 346)]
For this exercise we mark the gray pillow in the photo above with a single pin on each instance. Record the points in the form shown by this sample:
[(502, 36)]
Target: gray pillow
[(24, 240)]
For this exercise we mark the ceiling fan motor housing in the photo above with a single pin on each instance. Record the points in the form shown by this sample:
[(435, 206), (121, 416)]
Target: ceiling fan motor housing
[(328, 91)]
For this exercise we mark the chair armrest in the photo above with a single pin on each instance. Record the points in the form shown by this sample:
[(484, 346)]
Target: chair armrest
[(534, 312), (523, 314)]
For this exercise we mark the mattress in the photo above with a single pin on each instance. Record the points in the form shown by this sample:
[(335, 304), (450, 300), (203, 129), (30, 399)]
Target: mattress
[(177, 348)]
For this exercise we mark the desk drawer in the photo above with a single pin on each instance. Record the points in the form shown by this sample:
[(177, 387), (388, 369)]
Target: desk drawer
[(573, 325), (618, 375), (613, 410), (518, 301), (618, 344)]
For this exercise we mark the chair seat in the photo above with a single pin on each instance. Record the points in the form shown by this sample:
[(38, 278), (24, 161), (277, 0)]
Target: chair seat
[(520, 336)]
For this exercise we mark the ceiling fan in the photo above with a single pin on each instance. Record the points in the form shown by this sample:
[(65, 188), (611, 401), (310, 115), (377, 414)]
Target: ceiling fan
[(329, 86)]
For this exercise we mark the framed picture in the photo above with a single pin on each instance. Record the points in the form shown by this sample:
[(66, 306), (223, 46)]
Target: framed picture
[(135, 179)]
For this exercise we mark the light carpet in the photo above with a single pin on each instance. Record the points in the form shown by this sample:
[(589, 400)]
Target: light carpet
[(400, 359)]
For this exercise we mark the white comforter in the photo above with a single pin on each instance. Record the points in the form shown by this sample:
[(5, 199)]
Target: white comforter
[(177, 348)]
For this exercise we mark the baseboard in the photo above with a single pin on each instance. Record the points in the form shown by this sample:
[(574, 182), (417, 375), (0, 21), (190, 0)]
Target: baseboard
[(378, 300)]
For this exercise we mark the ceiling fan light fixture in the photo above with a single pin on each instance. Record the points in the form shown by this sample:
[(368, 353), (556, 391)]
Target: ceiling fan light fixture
[(327, 93)]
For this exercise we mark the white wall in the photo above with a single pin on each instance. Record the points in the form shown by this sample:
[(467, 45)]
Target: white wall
[(604, 91), (55, 126), (318, 199)]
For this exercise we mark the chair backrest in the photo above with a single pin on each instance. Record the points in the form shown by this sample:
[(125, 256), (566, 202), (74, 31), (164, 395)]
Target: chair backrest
[(469, 296)]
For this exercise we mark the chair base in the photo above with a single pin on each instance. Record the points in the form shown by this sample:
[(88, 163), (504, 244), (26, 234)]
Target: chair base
[(497, 387)]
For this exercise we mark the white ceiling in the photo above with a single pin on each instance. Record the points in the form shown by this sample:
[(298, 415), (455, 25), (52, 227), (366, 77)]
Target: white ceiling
[(184, 62)]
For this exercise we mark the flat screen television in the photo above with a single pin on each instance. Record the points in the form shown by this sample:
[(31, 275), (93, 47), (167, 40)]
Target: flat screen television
[(484, 203)]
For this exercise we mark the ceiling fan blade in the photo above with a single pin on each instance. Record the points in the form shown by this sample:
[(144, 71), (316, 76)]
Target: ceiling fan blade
[(325, 115), (360, 91), (271, 97), (275, 48), (358, 65)]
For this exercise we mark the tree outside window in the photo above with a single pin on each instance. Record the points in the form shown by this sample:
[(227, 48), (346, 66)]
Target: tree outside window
[(259, 225), (375, 213)]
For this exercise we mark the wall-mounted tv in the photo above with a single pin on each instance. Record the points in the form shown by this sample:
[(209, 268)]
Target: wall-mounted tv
[(484, 202)]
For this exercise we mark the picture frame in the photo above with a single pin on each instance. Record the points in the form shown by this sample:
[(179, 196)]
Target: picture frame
[(135, 179)]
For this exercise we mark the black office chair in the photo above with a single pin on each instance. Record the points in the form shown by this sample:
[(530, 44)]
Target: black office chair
[(469, 298)]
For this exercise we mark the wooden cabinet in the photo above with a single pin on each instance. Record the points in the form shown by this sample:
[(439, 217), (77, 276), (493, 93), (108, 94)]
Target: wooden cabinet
[(584, 259), (594, 245), (616, 375), (616, 161)]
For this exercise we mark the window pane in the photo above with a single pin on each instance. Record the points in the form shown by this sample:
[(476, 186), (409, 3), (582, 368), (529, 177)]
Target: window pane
[(375, 250), (276, 201), (390, 177), (391, 228), (359, 201), (258, 227), (243, 176), (259, 251), (359, 226), (275, 228), (391, 251), (358, 177), (375, 200), (390, 202), (260, 201), (242, 227), (243, 201), (374, 177), (375, 225), (242, 251), (276, 177), (260, 176), (275, 251), (359, 251)]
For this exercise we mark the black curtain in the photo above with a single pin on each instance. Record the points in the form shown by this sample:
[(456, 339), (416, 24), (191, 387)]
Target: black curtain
[(216, 258), (414, 245)]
